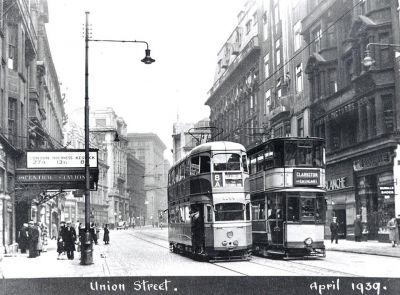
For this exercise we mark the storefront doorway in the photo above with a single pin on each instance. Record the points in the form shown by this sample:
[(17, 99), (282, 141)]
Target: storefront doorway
[(340, 214)]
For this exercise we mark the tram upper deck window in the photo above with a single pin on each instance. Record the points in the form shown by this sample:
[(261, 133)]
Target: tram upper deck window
[(229, 211), (244, 163), (226, 162), (194, 165), (253, 164), (205, 164)]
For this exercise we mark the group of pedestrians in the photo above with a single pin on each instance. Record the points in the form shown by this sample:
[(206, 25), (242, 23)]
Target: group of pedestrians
[(33, 237), (393, 227)]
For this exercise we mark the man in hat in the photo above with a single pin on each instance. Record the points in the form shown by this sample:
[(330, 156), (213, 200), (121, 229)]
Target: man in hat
[(69, 238), (33, 238), (334, 227)]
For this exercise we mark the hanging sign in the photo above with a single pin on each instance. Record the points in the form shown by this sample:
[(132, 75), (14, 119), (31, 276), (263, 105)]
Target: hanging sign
[(59, 159)]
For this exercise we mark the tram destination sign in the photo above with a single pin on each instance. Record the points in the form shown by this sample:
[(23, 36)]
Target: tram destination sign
[(59, 159), (306, 177)]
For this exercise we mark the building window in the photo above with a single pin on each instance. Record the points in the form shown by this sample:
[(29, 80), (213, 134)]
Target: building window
[(265, 23), (300, 127), (335, 136), (384, 50), (297, 36), (299, 78), (266, 65), (248, 27), (277, 18), (12, 116), (278, 51), (13, 47), (332, 81), (388, 121), (316, 40), (278, 89), (255, 22), (101, 122), (267, 101), (331, 36), (364, 121)]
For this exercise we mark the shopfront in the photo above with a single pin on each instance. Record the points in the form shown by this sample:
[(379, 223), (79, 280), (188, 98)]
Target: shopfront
[(375, 191), (340, 197)]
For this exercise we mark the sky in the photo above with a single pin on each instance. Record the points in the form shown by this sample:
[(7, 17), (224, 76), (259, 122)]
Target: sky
[(184, 37)]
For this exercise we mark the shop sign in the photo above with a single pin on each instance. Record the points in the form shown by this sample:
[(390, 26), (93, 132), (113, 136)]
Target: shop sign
[(372, 161), (305, 177), (336, 184), (55, 159), (386, 191)]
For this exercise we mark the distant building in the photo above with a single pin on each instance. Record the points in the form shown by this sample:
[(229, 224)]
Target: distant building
[(149, 149), (186, 136), (135, 187)]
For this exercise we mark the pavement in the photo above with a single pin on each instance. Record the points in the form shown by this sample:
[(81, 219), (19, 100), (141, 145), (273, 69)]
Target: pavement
[(367, 247)]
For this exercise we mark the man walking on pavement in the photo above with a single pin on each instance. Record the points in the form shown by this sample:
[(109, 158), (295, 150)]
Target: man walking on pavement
[(334, 227), (23, 238), (357, 228), (33, 238), (69, 240)]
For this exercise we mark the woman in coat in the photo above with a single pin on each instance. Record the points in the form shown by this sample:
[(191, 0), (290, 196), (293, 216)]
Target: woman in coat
[(40, 241), (393, 231), (106, 236), (357, 229), (23, 238)]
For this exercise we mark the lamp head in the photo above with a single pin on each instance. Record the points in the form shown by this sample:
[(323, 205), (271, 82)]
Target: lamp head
[(147, 59), (368, 60)]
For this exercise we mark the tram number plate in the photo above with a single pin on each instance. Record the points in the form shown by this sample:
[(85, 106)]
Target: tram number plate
[(217, 180)]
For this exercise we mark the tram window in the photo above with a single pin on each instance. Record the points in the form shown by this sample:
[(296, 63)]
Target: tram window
[(244, 163), (290, 153), (209, 213), (171, 215), (317, 155), (187, 216), (304, 154), (278, 154), (293, 209), (187, 168), (205, 164), (253, 161), (229, 211), (182, 170), (268, 157), (320, 208), (181, 214), (194, 166), (248, 211), (258, 211), (226, 162), (307, 207), (275, 206), (260, 162)]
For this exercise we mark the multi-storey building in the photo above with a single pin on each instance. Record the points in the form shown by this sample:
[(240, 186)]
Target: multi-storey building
[(107, 126), (31, 109), (186, 136), (354, 107), (149, 149), (260, 91), (135, 186)]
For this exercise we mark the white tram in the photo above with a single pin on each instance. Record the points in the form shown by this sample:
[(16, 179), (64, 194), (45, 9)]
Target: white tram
[(287, 180), (208, 207)]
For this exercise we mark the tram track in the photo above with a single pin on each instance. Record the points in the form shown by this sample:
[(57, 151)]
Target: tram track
[(291, 267)]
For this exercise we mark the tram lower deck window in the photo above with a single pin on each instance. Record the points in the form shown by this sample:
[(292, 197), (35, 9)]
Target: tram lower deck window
[(229, 211)]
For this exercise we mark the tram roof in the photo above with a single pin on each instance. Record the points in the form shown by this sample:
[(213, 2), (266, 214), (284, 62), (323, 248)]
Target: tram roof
[(263, 144), (217, 146)]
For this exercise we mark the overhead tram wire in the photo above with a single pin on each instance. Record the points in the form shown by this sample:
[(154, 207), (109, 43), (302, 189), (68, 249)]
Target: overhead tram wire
[(309, 44)]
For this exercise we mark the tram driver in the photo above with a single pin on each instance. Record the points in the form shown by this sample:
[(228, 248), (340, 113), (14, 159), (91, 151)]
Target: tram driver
[(197, 222)]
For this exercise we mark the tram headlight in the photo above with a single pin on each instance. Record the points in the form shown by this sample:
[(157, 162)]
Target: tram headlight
[(235, 242), (229, 234), (308, 241), (224, 243)]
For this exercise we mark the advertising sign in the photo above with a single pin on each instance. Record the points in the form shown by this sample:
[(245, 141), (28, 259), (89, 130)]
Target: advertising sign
[(305, 177), (59, 159)]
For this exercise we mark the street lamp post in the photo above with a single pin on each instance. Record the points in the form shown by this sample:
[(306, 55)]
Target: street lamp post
[(87, 243), (368, 60)]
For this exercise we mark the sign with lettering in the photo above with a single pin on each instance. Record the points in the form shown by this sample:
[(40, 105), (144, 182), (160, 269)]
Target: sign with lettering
[(372, 161), (217, 180), (335, 184), (387, 191), (306, 177), (54, 179), (59, 159)]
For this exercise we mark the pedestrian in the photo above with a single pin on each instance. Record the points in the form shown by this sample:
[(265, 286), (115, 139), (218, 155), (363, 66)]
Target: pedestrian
[(39, 247), (60, 240), (33, 237), (23, 238), (334, 227), (357, 228), (106, 237), (393, 231), (54, 231), (44, 238), (92, 231), (69, 240)]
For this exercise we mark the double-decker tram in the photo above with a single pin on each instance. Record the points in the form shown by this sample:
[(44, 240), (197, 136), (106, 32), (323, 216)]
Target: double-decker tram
[(287, 177), (208, 207)]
